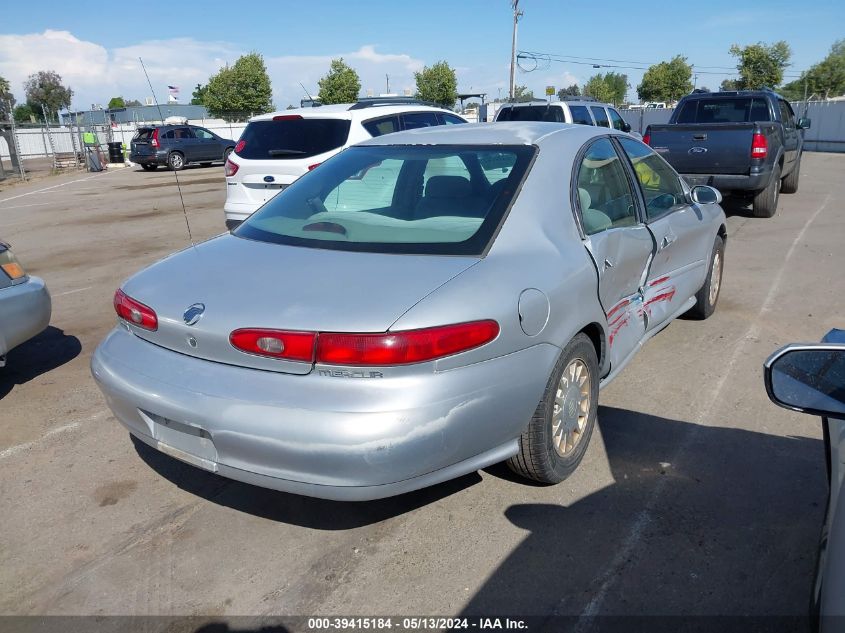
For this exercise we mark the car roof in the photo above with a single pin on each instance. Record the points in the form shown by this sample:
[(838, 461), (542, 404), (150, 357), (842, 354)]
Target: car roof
[(345, 111), (503, 133), (570, 102)]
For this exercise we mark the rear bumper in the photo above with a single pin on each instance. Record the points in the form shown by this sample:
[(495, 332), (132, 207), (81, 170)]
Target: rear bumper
[(756, 181), (316, 435), (25, 311), (159, 158), (237, 212)]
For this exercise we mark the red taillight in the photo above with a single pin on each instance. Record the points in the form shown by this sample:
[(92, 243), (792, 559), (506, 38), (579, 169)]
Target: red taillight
[(647, 138), (239, 146), (314, 166), (403, 348), (287, 117), (759, 146), (230, 168), (154, 141), (275, 343), (134, 312)]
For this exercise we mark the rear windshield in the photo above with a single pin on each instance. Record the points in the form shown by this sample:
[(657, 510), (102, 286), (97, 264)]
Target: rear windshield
[(531, 113), (292, 138), (724, 110), (420, 199), (143, 134)]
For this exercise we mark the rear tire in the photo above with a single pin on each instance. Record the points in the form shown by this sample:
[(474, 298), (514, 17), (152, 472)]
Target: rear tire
[(176, 161), (708, 296), (790, 183), (765, 203), (149, 167), (554, 443)]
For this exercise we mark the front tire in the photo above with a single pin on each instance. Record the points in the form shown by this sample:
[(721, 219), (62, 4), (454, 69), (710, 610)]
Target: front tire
[(707, 297), (176, 161), (766, 202), (554, 443), (790, 183)]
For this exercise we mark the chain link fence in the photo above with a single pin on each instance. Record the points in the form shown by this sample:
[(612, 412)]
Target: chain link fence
[(68, 146)]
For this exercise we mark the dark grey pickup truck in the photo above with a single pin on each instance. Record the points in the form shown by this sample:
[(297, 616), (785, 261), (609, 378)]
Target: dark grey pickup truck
[(742, 142)]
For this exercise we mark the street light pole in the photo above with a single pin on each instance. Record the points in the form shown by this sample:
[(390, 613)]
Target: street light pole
[(516, 15)]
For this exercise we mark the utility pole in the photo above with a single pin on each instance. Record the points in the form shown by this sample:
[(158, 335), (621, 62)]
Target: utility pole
[(517, 14), (387, 79)]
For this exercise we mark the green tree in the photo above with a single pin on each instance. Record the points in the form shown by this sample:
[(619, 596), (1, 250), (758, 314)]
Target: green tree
[(728, 85), (116, 102), (198, 96), (521, 94), (666, 81), (24, 114), (571, 91), (240, 90), (437, 84), (7, 100), (761, 65), (825, 79), (45, 89), (133, 103), (610, 88), (340, 85)]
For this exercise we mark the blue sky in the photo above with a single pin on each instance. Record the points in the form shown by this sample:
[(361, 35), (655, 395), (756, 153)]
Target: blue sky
[(95, 46)]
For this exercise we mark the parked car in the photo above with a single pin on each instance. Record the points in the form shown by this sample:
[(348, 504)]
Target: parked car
[(747, 142), (581, 110), (177, 145), (811, 379), (424, 304), (275, 149), (25, 305)]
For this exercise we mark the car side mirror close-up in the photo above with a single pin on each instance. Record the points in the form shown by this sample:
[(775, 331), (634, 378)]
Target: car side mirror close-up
[(803, 123), (808, 378), (704, 194), (626, 127)]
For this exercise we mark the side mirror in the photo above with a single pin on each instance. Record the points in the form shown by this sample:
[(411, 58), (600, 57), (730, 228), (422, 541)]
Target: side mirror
[(702, 194), (626, 127), (808, 378), (803, 123)]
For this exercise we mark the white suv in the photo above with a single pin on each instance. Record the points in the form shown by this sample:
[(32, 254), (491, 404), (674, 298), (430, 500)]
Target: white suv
[(583, 110), (275, 149)]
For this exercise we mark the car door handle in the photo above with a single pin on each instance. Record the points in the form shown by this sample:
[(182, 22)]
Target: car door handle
[(667, 241)]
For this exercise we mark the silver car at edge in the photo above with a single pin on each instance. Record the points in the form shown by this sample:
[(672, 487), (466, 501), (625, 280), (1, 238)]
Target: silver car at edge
[(420, 306), (25, 305)]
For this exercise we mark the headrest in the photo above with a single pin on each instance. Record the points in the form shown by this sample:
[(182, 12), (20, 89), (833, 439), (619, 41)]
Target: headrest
[(584, 196), (447, 187)]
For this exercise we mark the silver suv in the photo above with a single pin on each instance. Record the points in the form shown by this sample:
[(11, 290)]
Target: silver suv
[(583, 110)]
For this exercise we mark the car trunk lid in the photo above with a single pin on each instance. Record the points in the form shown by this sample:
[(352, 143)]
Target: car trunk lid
[(246, 284)]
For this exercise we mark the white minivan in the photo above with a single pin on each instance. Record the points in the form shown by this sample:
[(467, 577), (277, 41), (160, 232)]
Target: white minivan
[(275, 149)]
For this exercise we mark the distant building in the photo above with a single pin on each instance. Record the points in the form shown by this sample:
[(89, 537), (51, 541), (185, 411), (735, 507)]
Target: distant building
[(138, 114)]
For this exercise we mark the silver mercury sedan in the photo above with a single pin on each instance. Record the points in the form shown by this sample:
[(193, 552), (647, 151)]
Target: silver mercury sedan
[(420, 306)]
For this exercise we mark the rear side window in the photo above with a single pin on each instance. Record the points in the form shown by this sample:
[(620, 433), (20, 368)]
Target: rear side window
[(604, 193), (616, 120), (531, 113), (786, 114), (290, 139), (416, 120), (724, 110), (601, 116), (422, 199), (451, 119), (580, 115), (378, 127)]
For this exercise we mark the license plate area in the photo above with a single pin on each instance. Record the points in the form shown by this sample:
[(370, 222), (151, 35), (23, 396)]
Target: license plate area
[(186, 442)]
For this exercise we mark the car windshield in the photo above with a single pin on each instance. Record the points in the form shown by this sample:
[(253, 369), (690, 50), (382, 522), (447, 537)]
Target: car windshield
[(292, 137), (421, 199)]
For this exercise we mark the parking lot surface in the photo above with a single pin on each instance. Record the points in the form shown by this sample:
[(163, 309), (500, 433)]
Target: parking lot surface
[(697, 495)]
